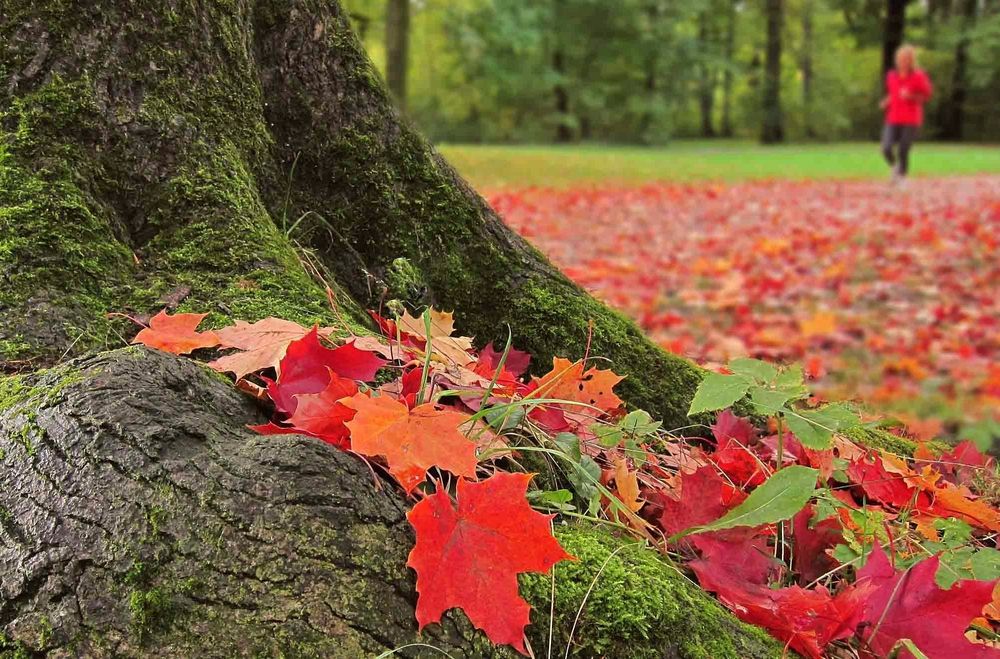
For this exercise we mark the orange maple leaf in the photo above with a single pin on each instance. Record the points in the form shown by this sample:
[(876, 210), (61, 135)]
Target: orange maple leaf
[(568, 381), (411, 441), (176, 334)]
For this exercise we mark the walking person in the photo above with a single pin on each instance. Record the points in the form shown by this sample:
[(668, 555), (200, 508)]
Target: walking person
[(907, 90)]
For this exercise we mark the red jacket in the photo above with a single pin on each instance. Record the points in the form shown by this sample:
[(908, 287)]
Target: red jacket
[(907, 111)]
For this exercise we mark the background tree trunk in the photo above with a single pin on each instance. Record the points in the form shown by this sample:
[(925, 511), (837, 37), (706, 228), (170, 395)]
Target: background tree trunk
[(706, 77), (397, 47), (892, 33), (808, 11), (953, 109), (729, 47), (773, 129)]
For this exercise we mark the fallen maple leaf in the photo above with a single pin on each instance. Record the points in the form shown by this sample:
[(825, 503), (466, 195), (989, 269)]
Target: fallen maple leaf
[(517, 360), (910, 605), (411, 441), (627, 486), (176, 334), (807, 620), (470, 557), (811, 540), (322, 415), (307, 365), (454, 349), (869, 472), (568, 381), (261, 344)]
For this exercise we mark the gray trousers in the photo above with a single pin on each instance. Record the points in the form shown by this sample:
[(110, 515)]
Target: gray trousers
[(901, 137)]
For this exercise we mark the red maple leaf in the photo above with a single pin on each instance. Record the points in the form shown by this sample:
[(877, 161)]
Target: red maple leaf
[(322, 415), (879, 484), (470, 557), (910, 605), (306, 368), (517, 360), (807, 620), (729, 426), (810, 559), (176, 334), (958, 465)]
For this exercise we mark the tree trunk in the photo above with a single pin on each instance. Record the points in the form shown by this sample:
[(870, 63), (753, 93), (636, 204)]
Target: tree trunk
[(729, 49), (171, 154), (773, 129), (397, 47), (706, 78), (892, 33), (563, 132), (808, 10), (953, 110)]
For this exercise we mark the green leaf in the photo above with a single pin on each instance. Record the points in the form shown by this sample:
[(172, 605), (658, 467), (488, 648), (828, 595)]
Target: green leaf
[(754, 369), (717, 392), (815, 428), (555, 499), (505, 417), (792, 381), (985, 564), (639, 424), (569, 444), (768, 401), (607, 436), (584, 478), (777, 499)]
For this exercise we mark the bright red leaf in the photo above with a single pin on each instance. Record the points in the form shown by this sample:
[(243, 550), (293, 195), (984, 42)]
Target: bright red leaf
[(910, 605), (306, 368), (470, 557)]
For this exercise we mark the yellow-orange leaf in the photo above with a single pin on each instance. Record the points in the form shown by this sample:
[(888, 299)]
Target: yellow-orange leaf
[(451, 349)]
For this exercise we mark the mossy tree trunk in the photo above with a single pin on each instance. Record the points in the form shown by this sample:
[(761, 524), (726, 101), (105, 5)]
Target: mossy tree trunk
[(226, 157)]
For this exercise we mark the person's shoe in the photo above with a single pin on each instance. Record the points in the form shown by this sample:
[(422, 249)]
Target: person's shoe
[(897, 175)]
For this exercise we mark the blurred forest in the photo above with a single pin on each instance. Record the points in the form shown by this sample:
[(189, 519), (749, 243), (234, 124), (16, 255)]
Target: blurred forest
[(645, 71)]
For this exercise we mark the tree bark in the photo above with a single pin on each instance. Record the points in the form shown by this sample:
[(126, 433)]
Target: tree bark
[(808, 10), (397, 47), (892, 33), (773, 130), (729, 49)]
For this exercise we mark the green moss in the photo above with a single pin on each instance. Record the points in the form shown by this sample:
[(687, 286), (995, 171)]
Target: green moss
[(639, 605), (151, 611), (11, 649)]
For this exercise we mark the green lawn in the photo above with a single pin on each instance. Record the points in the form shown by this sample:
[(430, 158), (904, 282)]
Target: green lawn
[(491, 167)]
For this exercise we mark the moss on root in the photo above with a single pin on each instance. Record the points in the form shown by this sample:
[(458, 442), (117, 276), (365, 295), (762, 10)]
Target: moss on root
[(632, 602)]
